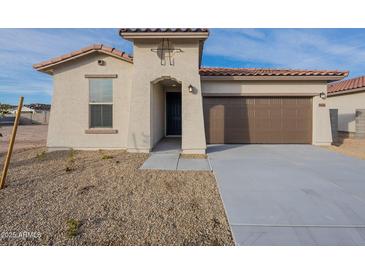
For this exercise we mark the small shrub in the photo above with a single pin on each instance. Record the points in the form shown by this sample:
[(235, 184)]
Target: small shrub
[(85, 189), (73, 228), (4, 109), (71, 155), (106, 157), (41, 155), (70, 165)]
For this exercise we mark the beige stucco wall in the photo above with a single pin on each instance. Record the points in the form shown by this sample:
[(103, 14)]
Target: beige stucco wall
[(254, 87), (70, 104), (158, 113), (321, 120), (347, 105), (322, 134), (147, 70)]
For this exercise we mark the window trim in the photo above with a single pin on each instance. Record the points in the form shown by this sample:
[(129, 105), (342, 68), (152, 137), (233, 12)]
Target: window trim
[(101, 76), (100, 130), (104, 103)]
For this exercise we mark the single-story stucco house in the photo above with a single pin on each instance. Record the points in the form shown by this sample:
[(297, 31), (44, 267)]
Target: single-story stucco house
[(105, 99), (347, 96)]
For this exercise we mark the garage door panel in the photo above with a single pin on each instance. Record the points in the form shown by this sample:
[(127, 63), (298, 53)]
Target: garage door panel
[(258, 119)]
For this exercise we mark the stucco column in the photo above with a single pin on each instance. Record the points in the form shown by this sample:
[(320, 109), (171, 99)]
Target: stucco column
[(321, 122), (139, 135), (193, 133)]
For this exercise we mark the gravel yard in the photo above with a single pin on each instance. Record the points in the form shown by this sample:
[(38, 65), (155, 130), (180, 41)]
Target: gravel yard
[(350, 147), (28, 136), (103, 198)]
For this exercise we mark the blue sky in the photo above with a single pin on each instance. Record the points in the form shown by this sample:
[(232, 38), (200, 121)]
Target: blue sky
[(342, 49)]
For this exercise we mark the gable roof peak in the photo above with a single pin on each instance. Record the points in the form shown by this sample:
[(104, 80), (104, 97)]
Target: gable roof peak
[(43, 66)]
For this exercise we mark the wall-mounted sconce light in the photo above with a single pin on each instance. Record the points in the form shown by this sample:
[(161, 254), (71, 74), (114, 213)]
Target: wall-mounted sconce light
[(101, 62), (323, 95), (191, 89)]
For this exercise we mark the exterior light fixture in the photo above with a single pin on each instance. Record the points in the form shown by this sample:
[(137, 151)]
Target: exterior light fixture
[(190, 88), (323, 95), (101, 62)]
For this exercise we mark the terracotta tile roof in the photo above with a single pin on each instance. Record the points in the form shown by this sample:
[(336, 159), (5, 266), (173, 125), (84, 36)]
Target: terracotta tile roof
[(346, 86), (93, 48), (268, 72), (164, 30)]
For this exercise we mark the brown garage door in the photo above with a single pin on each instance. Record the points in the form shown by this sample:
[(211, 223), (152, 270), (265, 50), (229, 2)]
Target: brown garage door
[(260, 120)]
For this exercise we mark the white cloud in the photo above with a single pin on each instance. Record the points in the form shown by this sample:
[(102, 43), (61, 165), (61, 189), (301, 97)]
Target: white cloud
[(21, 48), (40, 87), (284, 48), (51, 42), (292, 48), (253, 33)]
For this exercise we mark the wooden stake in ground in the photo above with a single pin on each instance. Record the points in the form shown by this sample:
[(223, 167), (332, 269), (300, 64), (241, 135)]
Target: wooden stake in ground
[(11, 144)]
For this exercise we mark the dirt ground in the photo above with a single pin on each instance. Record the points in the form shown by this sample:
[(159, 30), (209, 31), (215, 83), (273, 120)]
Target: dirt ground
[(103, 198), (28, 136), (350, 147)]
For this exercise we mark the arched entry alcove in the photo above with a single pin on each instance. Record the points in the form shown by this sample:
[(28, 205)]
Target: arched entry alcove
[(166, 113)]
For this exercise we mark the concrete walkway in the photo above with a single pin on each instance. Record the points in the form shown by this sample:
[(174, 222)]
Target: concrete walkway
[(291, 194), (166, 156)]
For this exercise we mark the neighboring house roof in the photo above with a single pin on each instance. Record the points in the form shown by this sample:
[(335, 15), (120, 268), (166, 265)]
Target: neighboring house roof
[(164, 30), (346, 86), (84, 51), (24, 109), (268, 72)]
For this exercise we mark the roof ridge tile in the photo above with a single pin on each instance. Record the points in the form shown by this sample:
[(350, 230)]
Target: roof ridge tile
[(219, 71)]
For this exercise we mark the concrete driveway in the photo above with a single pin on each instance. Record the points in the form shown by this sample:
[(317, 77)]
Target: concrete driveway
[(291, 194)]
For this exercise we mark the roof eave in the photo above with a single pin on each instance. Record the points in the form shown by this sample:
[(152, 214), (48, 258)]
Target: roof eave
[(344, 92), (130, 36), (47, 71), (272, 78)]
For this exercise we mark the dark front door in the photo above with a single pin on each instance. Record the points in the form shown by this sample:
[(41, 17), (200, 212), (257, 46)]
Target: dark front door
[(173, 113)]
